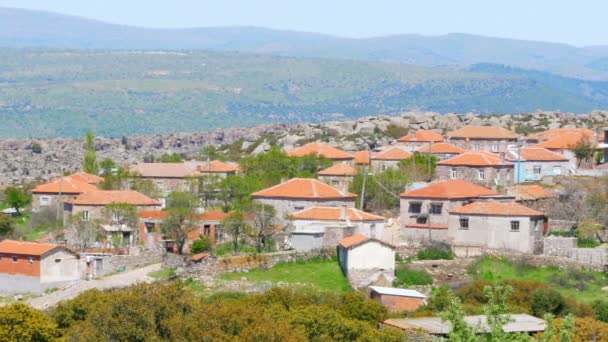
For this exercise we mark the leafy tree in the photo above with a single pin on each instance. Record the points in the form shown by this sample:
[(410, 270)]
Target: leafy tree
[(83, 234), (396, 131), (121, 215), (236, 190), (170, 158), (237, 227), (211, 153), (547, 301), (208, 187), (263, 220), (381, 190), (601, 310), (202, 244), (420, 167), (6, 226), (20, 322), (583, 150), (145, 186), (17, 198), (180, 218), (90, 155)]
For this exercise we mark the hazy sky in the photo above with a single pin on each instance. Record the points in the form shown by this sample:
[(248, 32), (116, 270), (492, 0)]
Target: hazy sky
[(574, 22)]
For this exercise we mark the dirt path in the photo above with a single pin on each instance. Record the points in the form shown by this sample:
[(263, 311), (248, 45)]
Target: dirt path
[(114, 281)]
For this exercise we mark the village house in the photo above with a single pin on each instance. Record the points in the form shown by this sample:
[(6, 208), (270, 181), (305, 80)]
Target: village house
[(366, 260), (207, 224), (397, 300), (425, 211), (51, 195), (168, 177), (529, 193), (338, 175), (389, 158), (483, 138), (534, 163), (35, 267), (506, 226), (562, 141), (362, 158), (442, 150), (214, 168), (322, 150), (301, 193), (419, 139), (90, 206), (479, 167), (86, 178), (321, 227)]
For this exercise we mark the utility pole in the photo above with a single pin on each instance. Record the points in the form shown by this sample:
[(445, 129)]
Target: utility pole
[(363, 189)]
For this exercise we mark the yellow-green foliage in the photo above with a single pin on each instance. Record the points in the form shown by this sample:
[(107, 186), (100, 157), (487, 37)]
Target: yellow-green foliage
[(19, 322)]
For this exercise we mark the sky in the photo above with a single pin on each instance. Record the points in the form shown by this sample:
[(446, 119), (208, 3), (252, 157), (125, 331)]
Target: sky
[(579, 23)]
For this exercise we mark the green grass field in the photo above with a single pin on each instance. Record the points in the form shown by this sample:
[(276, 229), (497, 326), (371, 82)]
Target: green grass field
[(585, 286), (322, 275)]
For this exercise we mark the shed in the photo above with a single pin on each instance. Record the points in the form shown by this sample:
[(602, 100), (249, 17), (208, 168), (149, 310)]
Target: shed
[(397, 300), (363, 259)]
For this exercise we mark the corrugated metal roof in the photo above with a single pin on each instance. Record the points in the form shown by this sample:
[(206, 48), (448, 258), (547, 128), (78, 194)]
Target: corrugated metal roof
[(397, 292)]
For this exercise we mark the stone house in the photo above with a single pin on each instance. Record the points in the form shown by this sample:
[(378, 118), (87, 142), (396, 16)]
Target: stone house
[(35, 267), (338, 175), (561, 141), (321, 227), (419, 139), (215, 168), (86, 178), (479, 167), (534, 163), (52, 195), (363, 260), (425, 211), (90, 205), (168, 177), (206, 224), (442, 150), (323, 150), (397, 300), (302, 193), (389, 158), (496, 225), (483, 138)]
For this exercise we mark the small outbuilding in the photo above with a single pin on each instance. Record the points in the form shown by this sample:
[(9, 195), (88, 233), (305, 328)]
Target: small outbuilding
[(363, 259), (397, 300)]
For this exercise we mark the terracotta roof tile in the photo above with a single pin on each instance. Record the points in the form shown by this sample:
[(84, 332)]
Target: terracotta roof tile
[(65, 185), (208, 215), (563, 142), (476, 158), (86, 177), (335, 214), (339, 169), (530, 192), (449, 189), (217, 166), (393, 153), (483, 132), (560, 132), (496, 209), (441, 148), (353, 240), (28, 248), (422, 135), (536, 154), (322, 150), (362, 157), (163, 170), (303, 188), (105, 197)]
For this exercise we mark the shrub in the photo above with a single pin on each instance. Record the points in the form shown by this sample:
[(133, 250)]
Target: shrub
[(407, 277), (36, 148), (440, 299), (601, 310), (435, 253), (395, 131), (547, 301), (203, 244), (584, 242)]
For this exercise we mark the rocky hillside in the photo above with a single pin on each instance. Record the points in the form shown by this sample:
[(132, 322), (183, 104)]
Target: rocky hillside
[(20, 162)]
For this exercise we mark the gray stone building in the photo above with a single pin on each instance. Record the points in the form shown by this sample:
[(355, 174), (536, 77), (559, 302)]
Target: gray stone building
[(168, 177), (442, 150), (338, 175), (479, 167), (389, 158), (483, 138), (419, 139)]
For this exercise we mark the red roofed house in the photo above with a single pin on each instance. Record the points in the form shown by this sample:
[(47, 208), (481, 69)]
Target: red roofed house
[(562, 140), (321, 227), (216, 168), (302, 193), (34, 267), (51, 195), (322, 150), (389, 158), (506, 226), (86, 178), (483, 138), (362, 158), (207, 224), (338, 175), (442, 150), (168, 177), (364, 260), (419, 139), (479, 167), (534, 163), (425, 211)]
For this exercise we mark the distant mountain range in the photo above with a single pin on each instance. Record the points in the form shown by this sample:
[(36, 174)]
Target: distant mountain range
[(26, 28)]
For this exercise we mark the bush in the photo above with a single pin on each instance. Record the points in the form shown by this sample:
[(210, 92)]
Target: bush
[(601, 310), (36, 148), (547, 301), (407, 277), (435, 253), (203, 244), (584, 242)]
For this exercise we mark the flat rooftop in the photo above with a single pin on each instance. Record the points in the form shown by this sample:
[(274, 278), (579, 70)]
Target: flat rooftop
[(437, 326)]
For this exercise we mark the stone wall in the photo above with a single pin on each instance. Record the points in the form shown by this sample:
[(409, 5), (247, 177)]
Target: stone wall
[(502, 175), (143, 258), (565, 248)]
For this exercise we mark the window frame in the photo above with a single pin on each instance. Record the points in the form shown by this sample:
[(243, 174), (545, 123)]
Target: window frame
[(419, 204), (515, 226), (453, 173), (84, 215), (435, 205), (536, 168), (481, 174), (462, 220)]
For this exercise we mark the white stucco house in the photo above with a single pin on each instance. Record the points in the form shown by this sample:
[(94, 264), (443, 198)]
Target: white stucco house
[(363, 260)]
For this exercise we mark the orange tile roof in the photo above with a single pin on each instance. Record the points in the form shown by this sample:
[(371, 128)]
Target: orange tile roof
[(86, 177), (28, 248), (322, 150), (340, 169), (64, 185), (560, 132), (422, 135), (450, 189), (335, 214), (163, 170), (353, 240), (217, 166), (393, 153), (208, 215), (483, 132), (530, 192), (563, 142), (476, 158), (441, 148), (537, 154), (362, 157), (105, 197), (303, 188), (496, 208)]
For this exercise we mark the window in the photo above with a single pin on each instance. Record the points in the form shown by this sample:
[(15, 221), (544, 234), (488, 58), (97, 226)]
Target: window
[(207, 230), (464, 223), (85, 215), (335, 182), (415, 208), (436, 208), (537, 169), (150, 227), (482, 174), (57, 261), (494, 147), (421, 220), (453, 173), (30, 260), (476, 147), (557, 170), (115, 217), (45, 201), (383, 167), (219, 235), (298, 208), (514, 226)]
